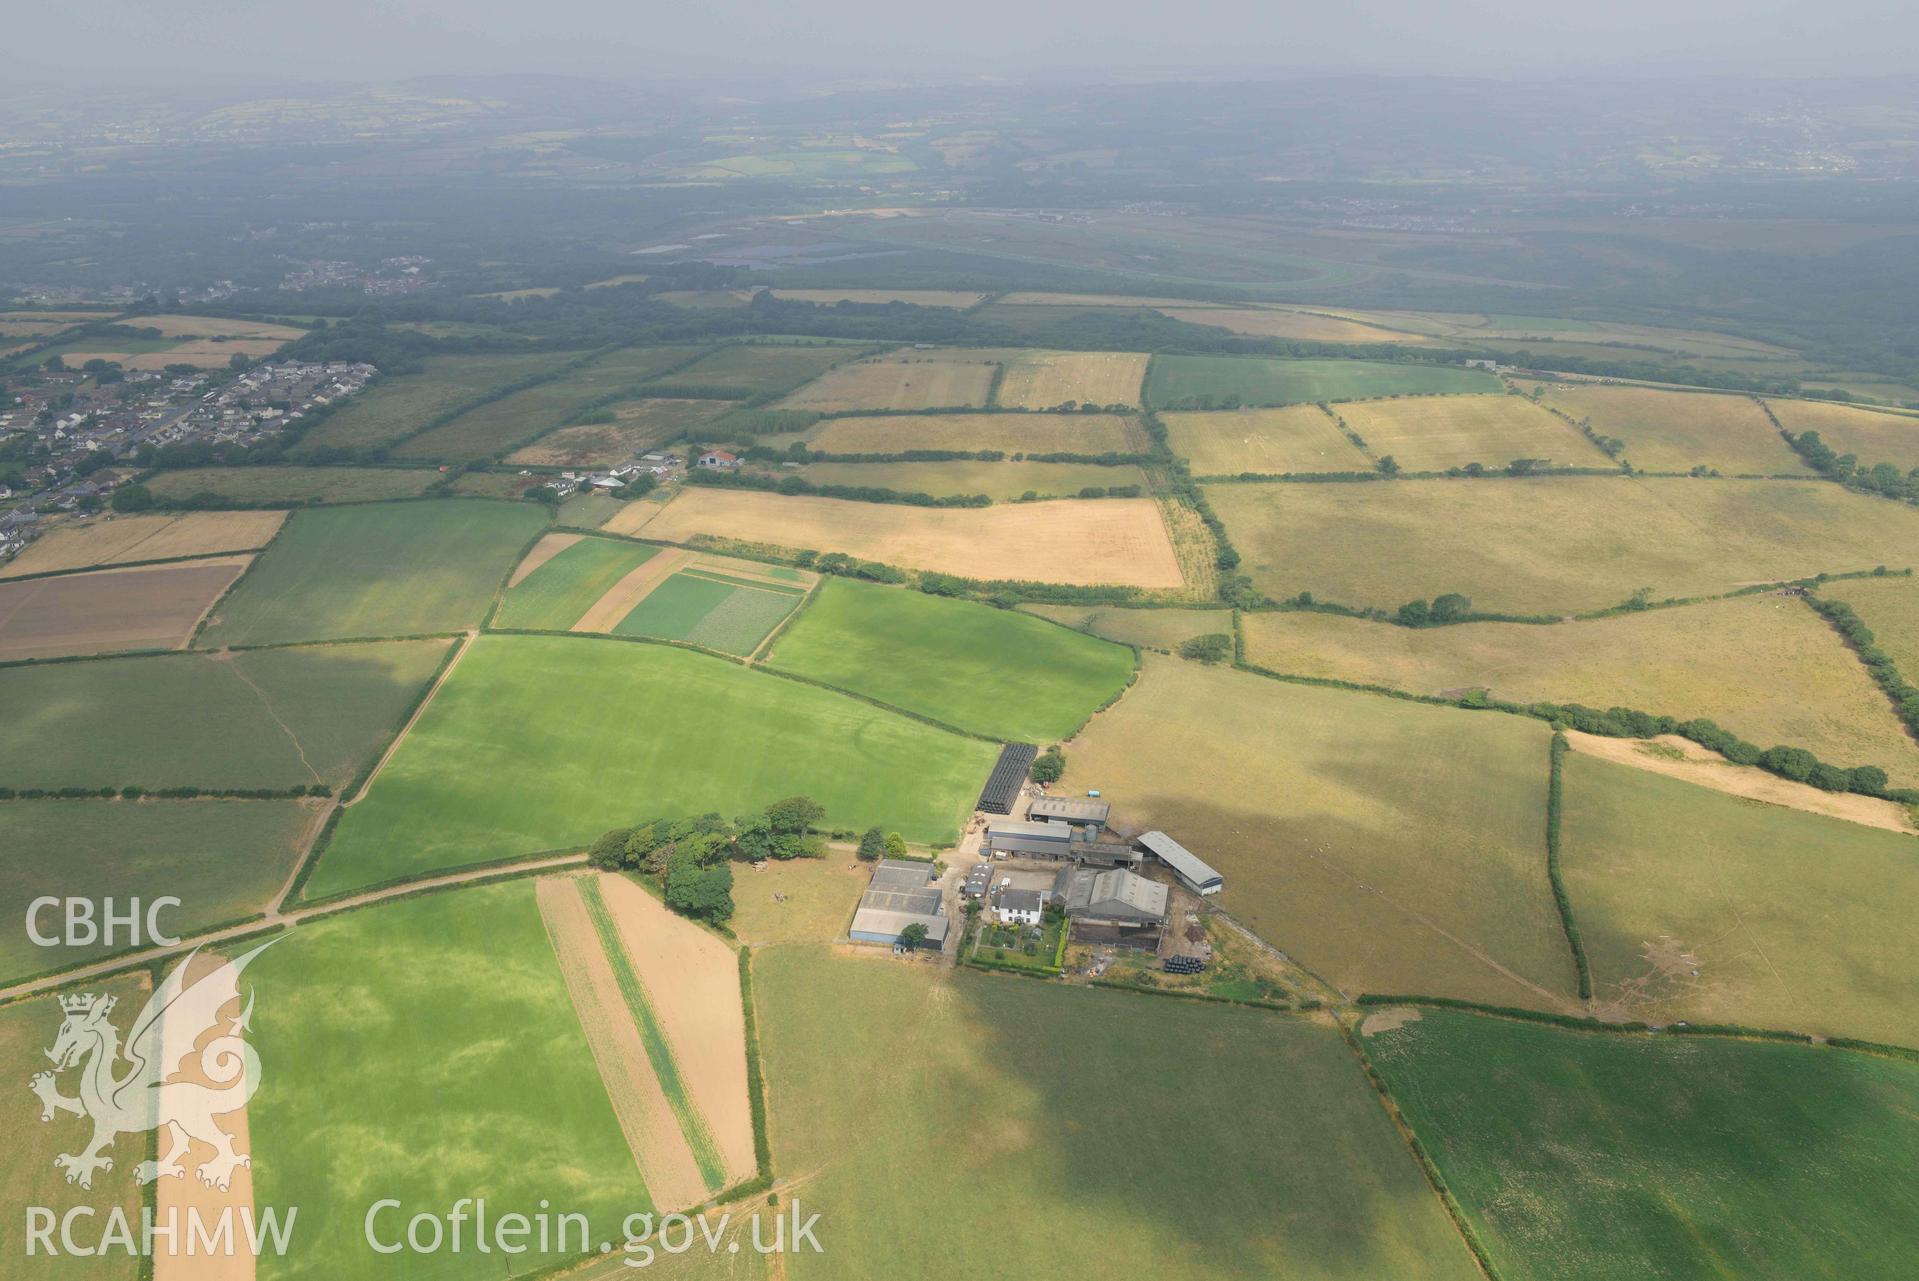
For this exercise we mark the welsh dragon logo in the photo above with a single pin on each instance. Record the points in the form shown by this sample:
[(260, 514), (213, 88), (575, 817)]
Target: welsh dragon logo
[(149, 1082)]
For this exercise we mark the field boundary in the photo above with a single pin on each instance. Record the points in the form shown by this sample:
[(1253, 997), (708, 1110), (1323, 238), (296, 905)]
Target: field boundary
[(659, 1050), (420, 704), (1555, 808), (1427, 1166), (138, 564)]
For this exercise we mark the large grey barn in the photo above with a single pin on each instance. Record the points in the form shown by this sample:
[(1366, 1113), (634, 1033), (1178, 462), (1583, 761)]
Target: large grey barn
[(1113, 906), (1191, 870), (902, 893), (1079, 811), (1062, 841)]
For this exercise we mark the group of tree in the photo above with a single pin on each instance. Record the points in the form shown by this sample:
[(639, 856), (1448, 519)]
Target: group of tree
[(1216, 647), (691, 858), (876, 844), (1880, 478), (1449, 608), (1049, 766)]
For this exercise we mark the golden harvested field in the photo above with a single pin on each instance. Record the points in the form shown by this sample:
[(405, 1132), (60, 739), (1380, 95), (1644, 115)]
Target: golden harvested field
[(1091, 300), (1042, 379), (1701, 906), (1890, 607), (907, 380), (215, 327), (115, 540), (1008, 433), (1677, 430), (155, 607), (1765, 667), (1875, 437), (1273, 322), (1433, 433), (641, 425), (204, 353), (692, 981), (1002, 482), (1385, 845), (917, 297), (1153, 628), (653, 1135), (1556, 545), (1269, 442), (1119, 541)]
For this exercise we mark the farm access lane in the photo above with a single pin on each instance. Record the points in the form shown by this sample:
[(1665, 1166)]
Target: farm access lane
[(280, 919)]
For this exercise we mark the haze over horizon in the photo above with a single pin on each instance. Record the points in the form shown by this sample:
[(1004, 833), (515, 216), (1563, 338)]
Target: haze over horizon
[(240, 41)]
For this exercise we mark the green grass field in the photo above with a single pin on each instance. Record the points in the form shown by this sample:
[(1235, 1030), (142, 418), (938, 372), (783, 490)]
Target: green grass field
[(1582, 1155), (1002, 482), (293, 485), (393, 407), (985, 670), (557, 594), (1554, 545), (1765, 667), (29, 1177), (1152, 628), (427, 1050), (396, 569), (756, 370), (1702, 906), (1260, 380), (544, 742), (270, 718), (1388, 846), (222, 859), (488, 429), (728, 614), (1097, 1133)]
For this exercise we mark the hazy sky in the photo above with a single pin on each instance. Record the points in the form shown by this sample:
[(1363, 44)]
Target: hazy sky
[(316, 39)]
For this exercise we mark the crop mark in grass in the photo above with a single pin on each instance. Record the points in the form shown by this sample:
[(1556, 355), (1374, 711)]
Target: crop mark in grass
[(665, 1069), (267, 704)]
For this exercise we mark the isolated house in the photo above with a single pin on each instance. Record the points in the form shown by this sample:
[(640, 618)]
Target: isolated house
[(719, 458)]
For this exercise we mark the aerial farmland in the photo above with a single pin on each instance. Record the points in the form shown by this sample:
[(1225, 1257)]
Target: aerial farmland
[(841, 678)]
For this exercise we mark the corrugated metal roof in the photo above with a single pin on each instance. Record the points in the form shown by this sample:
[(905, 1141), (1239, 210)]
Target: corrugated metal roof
[(1076, 809), (1037, 831), (1179, 858), (888, 925)]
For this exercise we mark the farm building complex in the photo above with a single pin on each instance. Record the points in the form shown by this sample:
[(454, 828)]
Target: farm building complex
[(902, 893), (1115, 906), (1191, 870), (1057, 841)]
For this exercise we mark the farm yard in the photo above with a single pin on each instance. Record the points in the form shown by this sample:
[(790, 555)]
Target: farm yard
[(903, 380), (109, 610), (1270, 442), (1555, 545), (463, 789), (1765, 667), (984, 670), (1438, 432), (1675, 431), (1696, 905), (121, 540), (1117, 541), (1007, 433), (1659, 1156), (386, 569), (1325, 810), (1231, 381), (1272, 1155)]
